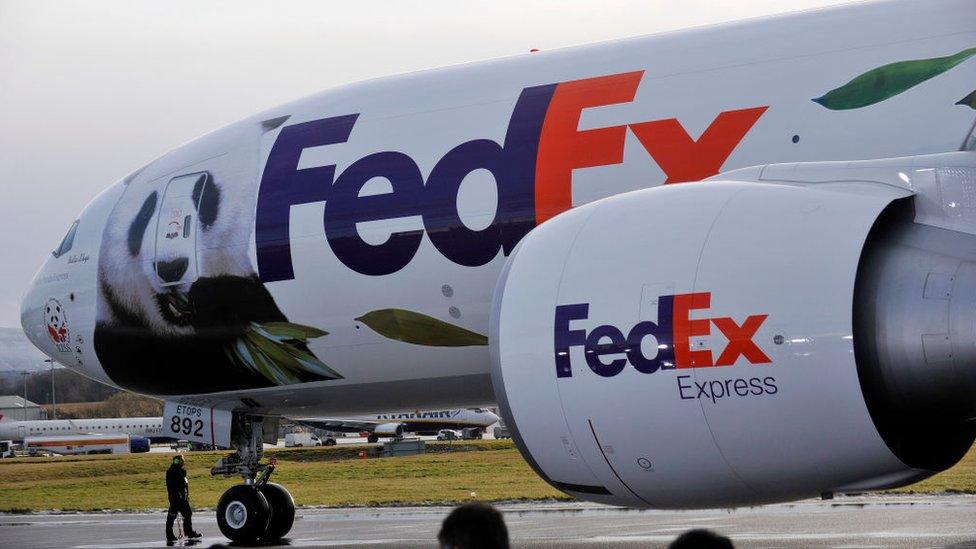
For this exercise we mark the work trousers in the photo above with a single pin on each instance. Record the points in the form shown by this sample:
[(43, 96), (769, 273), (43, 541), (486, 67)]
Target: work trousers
[(183, 508)]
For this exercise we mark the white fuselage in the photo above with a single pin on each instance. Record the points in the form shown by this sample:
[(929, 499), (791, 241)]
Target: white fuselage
[(462, 418), (422, 421), (147, 427), (376, 217)]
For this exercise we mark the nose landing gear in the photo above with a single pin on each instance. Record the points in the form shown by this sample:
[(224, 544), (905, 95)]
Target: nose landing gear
[(243, 514), (257, 509)]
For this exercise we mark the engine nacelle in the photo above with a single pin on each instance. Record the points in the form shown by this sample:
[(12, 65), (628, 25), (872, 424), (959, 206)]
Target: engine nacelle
[(138, 444), (388, 430), (781, 332)]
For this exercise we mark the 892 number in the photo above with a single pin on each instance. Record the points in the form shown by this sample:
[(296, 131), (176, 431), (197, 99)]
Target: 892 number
[(186, 426)]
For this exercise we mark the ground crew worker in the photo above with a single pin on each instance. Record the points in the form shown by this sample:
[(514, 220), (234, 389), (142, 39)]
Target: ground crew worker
[(178, 489)]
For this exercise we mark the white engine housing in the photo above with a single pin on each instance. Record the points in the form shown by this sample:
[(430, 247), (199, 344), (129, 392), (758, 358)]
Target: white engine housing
[(786, 420), (388, 430)]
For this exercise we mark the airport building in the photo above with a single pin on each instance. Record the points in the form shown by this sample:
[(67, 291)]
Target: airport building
[(17, 408)]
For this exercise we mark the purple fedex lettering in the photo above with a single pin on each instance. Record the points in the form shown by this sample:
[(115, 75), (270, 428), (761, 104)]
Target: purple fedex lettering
[(513, 166), (564, 338), (345, 208), (609, 340), (283, 185)]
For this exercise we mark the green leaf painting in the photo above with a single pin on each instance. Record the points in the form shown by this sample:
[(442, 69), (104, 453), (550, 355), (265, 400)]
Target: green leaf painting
[(278, 352), (969, 100), (420, 329), (888, 81)]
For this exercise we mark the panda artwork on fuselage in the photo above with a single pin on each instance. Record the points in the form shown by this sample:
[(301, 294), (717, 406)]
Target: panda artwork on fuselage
[(178, 289)]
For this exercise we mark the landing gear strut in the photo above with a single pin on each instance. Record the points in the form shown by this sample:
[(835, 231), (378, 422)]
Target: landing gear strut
[(257, 509)]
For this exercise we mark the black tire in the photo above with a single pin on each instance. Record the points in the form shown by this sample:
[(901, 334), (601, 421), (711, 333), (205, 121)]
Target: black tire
[(243, 514), (282, 511), (330, 442), (372, 438)]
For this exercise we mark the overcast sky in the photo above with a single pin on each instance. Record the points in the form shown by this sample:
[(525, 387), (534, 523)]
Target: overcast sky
[(92, 90)]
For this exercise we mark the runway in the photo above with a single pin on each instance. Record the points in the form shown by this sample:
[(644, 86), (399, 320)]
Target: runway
[(864, 521)]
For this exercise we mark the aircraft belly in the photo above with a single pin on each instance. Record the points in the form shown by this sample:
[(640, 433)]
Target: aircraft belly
[(319, 399)]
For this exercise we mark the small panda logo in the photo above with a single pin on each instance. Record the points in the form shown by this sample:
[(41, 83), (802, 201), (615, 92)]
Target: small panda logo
[(57, 324)]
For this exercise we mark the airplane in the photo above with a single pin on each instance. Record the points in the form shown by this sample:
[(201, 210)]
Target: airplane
[(144, 427), (423, 422), (718, 267), (69, 445)]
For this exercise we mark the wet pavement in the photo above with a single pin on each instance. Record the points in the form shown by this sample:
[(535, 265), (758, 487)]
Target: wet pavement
[(864, 521)]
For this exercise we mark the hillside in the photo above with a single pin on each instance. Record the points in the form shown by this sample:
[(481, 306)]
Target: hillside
[(17, 354)]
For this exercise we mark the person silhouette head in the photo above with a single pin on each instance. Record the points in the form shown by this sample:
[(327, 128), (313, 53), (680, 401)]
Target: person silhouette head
[(474, 526), (701, 539)]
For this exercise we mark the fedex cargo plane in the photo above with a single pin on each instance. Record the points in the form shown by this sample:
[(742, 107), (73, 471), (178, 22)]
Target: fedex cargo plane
[(711, 268)]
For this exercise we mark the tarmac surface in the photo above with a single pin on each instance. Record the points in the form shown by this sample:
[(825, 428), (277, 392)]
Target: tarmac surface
[(863, 521)]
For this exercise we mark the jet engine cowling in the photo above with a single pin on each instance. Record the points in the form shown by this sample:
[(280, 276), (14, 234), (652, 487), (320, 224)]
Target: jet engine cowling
[(780, 332), (388, 430)]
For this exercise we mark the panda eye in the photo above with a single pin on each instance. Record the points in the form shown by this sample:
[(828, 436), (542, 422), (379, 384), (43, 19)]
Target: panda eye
[(206, 195), (138, 227)]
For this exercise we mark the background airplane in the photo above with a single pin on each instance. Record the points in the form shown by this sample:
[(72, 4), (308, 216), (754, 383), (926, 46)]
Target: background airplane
[(145, 427), (422, 422)]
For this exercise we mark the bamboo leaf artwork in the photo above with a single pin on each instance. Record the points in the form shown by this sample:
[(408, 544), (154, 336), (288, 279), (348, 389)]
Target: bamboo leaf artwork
[(420, 329), (969, 100), (888, 81), (278, 352)]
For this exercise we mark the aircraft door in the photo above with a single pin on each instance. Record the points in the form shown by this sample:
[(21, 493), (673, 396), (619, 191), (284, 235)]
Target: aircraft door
[(176, 230)]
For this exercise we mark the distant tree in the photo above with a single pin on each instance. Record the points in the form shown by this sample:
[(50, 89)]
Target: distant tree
[(71, 387), (131, 405)]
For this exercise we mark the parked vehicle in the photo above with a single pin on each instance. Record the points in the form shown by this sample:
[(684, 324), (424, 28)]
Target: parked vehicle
[(501, 431), (472, 433), (448, 434), (6, 448), (297, 440), (78, 444)]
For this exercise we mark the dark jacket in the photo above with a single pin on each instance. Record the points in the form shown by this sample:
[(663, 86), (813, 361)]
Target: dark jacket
[(176, 484)]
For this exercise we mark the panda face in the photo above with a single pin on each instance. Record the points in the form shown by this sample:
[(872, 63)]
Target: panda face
[(57, 324), (137, 285)]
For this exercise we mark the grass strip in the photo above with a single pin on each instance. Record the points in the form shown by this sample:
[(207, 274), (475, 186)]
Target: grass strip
[(330, 476)]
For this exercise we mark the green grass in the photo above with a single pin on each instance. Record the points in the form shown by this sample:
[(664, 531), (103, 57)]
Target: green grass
[(316, 476), (960, 479)]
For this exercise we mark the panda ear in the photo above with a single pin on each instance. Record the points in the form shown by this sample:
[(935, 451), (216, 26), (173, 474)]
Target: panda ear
[(138, 227), (206, 195)]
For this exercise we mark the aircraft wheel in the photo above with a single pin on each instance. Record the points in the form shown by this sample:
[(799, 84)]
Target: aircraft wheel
[(282, 511), (243, 514), (372, 438)]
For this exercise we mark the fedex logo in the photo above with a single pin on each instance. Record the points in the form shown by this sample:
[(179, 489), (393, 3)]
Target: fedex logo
[(532, 168), (672, 332)]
